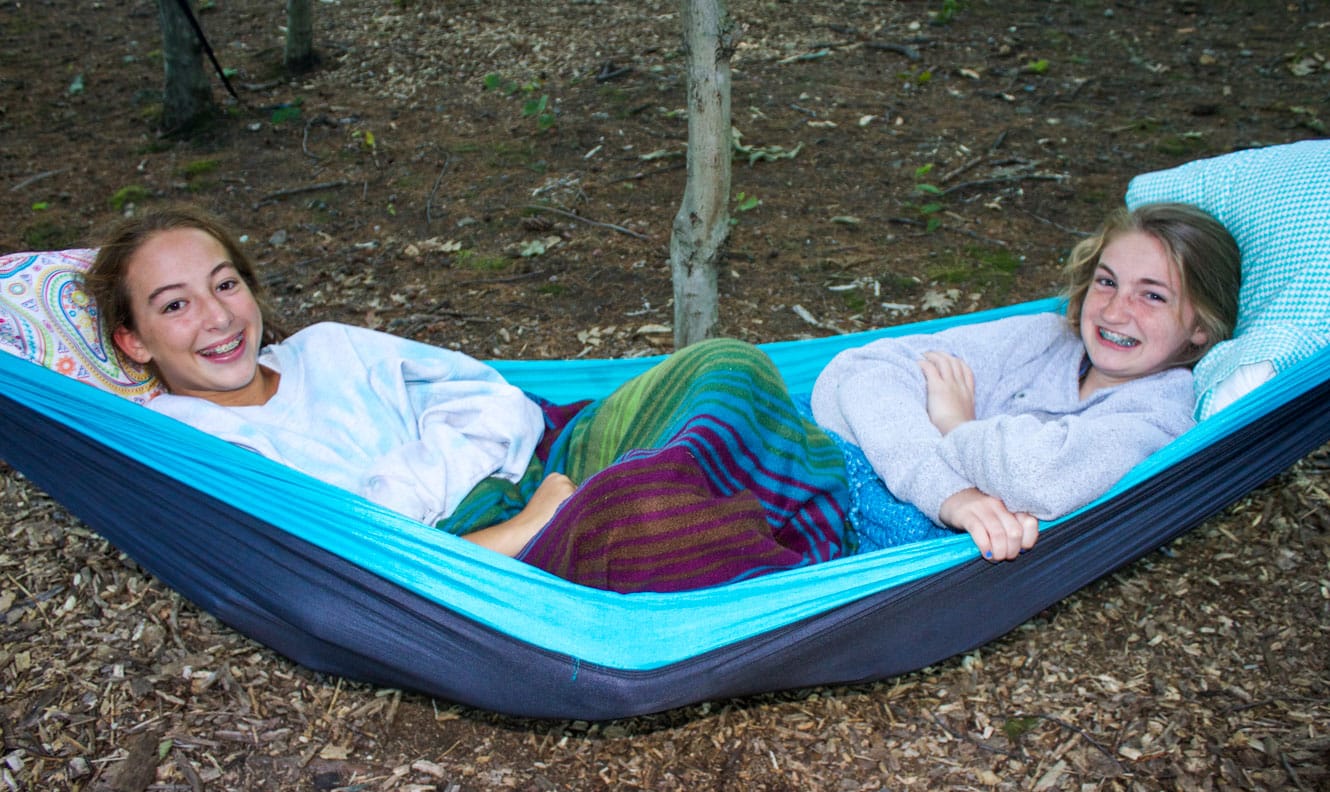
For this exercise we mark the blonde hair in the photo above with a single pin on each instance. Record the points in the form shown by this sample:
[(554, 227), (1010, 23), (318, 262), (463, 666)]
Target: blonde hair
[(107, 278), (1203, 252)]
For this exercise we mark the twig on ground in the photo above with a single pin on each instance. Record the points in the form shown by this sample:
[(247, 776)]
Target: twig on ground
[(963, 736), (36, 178), (640, 175), (1084, 735), (429, 202), (808, 317), (958, 170), (304, 139), (973, 235), (568, 214), (272, 197), (900, 49), (1055, 224), (1005, 180)]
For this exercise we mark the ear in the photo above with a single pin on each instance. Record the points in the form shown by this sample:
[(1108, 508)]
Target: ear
[(129, 343), (1200, 338)]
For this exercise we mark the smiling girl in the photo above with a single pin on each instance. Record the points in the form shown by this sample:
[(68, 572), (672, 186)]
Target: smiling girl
[(696, 472), (991, 427)]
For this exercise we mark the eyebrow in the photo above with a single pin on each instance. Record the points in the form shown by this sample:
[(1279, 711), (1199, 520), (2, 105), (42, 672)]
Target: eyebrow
[(157, 292), (1147, 281)]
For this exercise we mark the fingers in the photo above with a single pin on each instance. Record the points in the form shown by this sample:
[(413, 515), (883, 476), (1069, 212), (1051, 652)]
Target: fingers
[(999, 533), (948, 368), (1010, 535), (1029, 530)]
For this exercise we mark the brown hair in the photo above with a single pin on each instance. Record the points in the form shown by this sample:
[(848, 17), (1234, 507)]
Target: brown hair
[(106, 280), (1204, 253)]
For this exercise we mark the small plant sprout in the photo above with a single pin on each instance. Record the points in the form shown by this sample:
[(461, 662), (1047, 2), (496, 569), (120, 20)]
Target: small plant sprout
[(930, 210), (535, 107), (540, 110), (945, 14)]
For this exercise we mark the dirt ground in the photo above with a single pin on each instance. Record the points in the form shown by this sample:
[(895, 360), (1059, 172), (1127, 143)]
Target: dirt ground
[(899, 160)]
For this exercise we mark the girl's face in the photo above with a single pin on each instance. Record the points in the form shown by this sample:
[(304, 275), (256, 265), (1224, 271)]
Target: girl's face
[(195, 319), (1135, 320)]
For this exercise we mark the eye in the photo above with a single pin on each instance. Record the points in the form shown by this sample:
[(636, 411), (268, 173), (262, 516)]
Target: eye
[(1156, 297), (173, 306), (1105, 281), (229, 284)]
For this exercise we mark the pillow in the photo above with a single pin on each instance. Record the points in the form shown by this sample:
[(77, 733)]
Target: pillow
[(1276, 203), (47, 317)]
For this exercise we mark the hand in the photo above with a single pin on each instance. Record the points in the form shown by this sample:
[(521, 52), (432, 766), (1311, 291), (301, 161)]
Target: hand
[(950, 386), (510, 536), (1000, 533)]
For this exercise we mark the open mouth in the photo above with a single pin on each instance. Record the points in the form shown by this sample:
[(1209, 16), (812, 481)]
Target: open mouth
[(1116, 338), (224, 348)]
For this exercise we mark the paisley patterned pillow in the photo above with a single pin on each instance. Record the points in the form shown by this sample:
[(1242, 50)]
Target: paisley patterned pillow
[(48, 318)]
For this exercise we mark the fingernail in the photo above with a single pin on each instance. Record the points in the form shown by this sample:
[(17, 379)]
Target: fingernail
[(988, 554), (1022, 551)]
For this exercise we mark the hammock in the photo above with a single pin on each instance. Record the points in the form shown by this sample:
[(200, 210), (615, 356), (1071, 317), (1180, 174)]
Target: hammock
[(342, 586)]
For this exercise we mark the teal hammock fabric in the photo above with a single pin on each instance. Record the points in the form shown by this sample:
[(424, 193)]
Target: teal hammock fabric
[(375, 596)]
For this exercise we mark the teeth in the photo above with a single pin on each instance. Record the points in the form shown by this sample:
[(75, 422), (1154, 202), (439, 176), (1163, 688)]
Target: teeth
[(1121, 340), (224, 348)]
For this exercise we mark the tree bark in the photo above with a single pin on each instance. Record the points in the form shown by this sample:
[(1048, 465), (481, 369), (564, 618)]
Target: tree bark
[(299, 54), (702, 224), (187, 97)]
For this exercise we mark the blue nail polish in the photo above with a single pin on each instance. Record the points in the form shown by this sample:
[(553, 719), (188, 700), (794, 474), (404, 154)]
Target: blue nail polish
[(1022, 551), (988, 554)]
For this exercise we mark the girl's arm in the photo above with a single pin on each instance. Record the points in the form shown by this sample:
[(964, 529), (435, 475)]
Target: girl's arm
[(1050, 466), (876, 397), (510, 536)]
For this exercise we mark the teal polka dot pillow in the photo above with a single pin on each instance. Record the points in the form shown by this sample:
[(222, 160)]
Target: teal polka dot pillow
[(1276, 203), (47, 317)]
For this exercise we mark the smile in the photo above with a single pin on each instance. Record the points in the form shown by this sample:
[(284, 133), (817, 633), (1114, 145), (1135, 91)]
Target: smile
[(222, 349), (1115, 338)]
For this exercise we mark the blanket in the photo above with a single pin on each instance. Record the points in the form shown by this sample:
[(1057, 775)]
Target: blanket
[(698, 472)]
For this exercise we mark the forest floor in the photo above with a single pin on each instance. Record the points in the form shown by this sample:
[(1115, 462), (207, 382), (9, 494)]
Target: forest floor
[(901, 160)]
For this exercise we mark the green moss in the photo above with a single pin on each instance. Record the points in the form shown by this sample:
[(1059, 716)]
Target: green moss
[(199, 168), (130, 194), (978, 269), (469, 259), (854, 300)]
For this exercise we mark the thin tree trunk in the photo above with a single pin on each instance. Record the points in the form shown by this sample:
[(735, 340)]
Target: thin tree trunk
[(299, 55), (187, 98), (702, 224)]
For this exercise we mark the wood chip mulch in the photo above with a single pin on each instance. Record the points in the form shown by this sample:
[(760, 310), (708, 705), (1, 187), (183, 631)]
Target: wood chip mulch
[(1202, 666)]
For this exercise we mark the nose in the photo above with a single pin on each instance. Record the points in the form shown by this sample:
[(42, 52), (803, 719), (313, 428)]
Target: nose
[(1116, 308), (218, 314)]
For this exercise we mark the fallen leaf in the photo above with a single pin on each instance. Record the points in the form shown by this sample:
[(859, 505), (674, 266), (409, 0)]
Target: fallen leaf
[(938, 301)]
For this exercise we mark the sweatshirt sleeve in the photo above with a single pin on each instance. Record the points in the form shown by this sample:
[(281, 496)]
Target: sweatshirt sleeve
[(462, 422), (875, 397), (1050, 467)]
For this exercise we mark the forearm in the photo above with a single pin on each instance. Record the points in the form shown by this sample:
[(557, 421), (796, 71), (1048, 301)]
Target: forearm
[(510, 536)]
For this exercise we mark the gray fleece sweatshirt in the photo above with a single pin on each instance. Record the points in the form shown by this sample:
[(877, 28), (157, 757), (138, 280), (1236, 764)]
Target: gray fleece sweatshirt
[(1034, 443)]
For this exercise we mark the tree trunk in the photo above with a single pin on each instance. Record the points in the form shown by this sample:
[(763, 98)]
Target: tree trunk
[(187, 98), (299, 55), (703, 225)]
